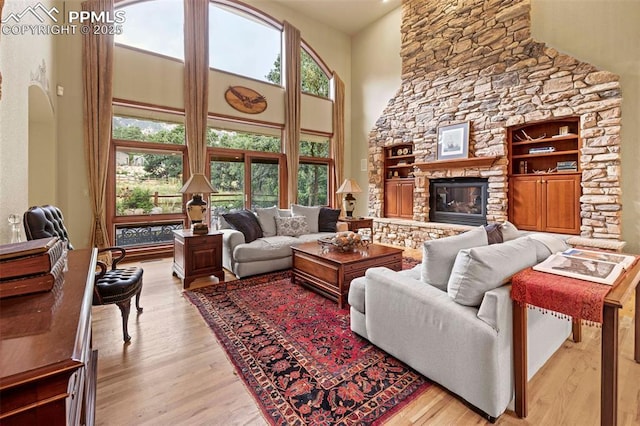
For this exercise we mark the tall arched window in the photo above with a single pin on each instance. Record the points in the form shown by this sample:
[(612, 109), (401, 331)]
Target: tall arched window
[(242, 44), (154, 26)]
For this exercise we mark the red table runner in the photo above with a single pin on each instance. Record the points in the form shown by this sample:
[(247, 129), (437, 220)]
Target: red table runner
[(578, 299)]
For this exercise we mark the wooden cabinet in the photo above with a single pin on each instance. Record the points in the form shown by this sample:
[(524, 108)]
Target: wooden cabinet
[(197, 255), (47, 365), (544, 176), (398, 198), (546, 203), (398, 188)]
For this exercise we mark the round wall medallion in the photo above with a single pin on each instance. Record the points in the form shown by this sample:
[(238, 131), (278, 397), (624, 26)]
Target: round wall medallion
[(245, 100)]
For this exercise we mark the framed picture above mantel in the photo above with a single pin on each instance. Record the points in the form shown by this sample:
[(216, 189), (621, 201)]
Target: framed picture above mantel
[(453, 141)]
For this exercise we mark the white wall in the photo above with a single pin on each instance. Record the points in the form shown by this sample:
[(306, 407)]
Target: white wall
[(376, 69), (21, 57)]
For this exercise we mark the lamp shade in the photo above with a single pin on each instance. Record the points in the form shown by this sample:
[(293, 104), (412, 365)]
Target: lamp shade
[(197, 184), (349, 186)]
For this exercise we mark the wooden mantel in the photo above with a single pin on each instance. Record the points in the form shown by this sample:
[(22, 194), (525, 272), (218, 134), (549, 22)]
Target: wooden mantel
[(458, 163)]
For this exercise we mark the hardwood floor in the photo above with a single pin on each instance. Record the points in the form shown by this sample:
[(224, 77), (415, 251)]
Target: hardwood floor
[(174, 372)]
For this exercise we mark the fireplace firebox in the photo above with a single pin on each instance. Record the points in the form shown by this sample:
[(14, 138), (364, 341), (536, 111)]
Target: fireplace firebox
[(458, 200)]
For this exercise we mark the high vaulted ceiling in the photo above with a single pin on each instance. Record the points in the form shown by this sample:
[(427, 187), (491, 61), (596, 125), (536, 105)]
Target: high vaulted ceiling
[(348, 16)]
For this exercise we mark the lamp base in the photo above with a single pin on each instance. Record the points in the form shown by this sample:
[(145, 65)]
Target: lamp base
[(200, 228)]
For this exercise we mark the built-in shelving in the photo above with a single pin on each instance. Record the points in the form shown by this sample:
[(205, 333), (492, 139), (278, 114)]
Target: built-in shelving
[(398, 173)]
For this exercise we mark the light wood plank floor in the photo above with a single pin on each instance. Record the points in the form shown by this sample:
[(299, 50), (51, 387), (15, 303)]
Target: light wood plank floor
[(174, 372)]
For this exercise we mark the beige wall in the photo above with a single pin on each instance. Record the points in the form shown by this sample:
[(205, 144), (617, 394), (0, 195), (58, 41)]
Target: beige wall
[(604, 33), (21, 58), (376, 66)]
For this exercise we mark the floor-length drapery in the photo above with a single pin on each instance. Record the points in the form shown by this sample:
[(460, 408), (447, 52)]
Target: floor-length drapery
[(338, 133), (292, 107), (196, 82), (97, 73)]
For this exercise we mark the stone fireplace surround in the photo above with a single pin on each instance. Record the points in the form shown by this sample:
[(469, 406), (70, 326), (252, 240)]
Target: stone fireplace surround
[(475, 61)]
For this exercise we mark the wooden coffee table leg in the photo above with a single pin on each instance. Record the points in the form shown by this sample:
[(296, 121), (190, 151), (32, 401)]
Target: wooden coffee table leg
[(576, 331), (520, 357), (609, 367)]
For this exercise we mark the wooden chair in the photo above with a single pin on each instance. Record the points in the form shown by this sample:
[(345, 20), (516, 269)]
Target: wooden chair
[(112, 285)]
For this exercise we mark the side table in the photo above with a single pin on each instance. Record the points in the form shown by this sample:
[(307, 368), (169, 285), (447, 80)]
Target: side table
[(197, 255), (525, 289), (356, 223)]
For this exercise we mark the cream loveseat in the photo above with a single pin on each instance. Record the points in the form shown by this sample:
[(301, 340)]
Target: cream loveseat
[(450, 318), (279, 230)]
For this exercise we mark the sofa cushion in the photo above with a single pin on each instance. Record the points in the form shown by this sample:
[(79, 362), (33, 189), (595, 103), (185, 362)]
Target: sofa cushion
[(246, 222), (284, 212), (327, 219), (438, 256), (509, 231), (266, 248), (479, 269), (494, 233), (291, 226), (311, 213), (266, 218)]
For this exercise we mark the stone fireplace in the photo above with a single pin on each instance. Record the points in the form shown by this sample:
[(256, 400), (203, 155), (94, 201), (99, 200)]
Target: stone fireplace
[(458, 200), (475, 61)]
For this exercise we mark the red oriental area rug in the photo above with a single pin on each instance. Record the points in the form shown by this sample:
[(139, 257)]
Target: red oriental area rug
[(299, 358)]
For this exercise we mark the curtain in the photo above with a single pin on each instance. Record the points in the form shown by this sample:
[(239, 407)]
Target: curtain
[(97, 73), (292, 107), (196, 82), (338, 134)]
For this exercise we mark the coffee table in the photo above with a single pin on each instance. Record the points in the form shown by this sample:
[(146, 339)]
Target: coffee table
[(330, 272)]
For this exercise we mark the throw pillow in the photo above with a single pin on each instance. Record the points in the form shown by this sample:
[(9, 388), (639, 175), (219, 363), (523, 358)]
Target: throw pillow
[(291, 226), (439, 255), (327, 219), (480, 269), (509, 231), (246, 222), (494, 233), (311, 213), (266, 218)]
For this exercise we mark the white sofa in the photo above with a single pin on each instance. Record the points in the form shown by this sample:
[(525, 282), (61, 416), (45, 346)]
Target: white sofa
[(270, 252), (466, 349)]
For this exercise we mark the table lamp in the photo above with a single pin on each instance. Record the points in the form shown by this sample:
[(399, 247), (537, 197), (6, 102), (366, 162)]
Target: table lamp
[(349, 187), (197, 185)]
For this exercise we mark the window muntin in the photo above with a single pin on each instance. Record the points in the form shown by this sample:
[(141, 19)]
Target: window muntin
[(145, 130), (313, 78), (218, 138), (241, 44), (155, 26)]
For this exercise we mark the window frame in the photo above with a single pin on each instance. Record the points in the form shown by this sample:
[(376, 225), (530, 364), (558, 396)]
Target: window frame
[(113, 220), (329, 161)]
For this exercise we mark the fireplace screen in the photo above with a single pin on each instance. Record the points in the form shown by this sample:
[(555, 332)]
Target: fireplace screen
[(458, 200)]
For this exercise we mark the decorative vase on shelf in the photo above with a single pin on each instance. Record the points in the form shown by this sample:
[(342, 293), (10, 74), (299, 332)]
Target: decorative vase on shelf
[(14, 223)]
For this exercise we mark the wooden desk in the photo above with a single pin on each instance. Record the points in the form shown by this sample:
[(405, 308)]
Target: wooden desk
[(619, 293), (197, 255), (354, 224), (47, 366)]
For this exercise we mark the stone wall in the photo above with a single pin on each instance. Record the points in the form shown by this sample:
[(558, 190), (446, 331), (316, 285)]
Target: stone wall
[(474, 60)]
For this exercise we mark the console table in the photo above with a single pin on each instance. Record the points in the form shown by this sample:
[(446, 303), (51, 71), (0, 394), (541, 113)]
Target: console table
[(47, 366), (525, 283), (197, 255)]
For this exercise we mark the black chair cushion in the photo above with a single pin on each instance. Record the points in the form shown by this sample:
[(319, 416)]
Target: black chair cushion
[(119, 285)]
